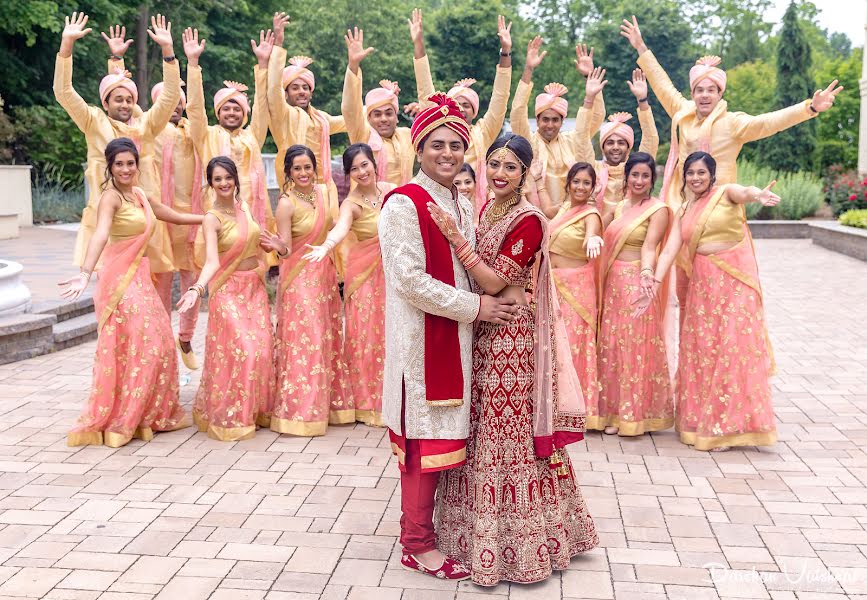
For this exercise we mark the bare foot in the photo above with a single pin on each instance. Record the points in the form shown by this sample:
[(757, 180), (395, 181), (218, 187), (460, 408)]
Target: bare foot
[(721, 449), (610, 430), (432, 559)]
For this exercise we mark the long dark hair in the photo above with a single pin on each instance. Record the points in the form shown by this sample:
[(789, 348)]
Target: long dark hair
[(577, 168), (112, 149), (693, 158), (520, 147), (350, 154), (468, 168), (229, 165), (635, 159), (292, 153)]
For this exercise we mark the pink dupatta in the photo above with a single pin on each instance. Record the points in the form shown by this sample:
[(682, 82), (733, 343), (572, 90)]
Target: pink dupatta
[(293, 264), (233, 256), (120, 261)]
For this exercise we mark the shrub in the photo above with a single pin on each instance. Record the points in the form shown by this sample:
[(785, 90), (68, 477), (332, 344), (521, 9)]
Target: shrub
[(801, 193), (854, 218), (844, 190), (55, 199), (45, 135)]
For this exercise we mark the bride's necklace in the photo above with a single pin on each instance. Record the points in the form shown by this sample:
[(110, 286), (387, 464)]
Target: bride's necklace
[(308, 198), (498, 211), (373, 205)]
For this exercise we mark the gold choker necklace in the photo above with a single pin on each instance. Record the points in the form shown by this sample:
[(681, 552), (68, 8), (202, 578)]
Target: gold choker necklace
[(498, 211), (308, 198)]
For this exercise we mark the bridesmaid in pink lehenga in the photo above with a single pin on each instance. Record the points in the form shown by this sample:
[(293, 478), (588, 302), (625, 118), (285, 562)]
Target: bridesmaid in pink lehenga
[(722, 385), (633, 367), (235, 393), (514, 511), (135, 371), (311, 374), (364, 288)]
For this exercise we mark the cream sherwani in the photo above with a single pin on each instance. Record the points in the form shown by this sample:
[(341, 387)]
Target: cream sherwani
[(99, 129), (410, 293), (558, 155), (401, 155), (729, 130)]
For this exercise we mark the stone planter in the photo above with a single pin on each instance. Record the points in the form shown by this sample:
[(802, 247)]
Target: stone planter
[(14, 295), (779, 229), (851, 241), (16, 198)]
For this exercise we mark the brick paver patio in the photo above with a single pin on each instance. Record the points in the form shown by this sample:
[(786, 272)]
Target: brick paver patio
[(280, 518)]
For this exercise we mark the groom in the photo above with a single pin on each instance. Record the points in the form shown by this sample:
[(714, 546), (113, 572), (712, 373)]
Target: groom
[(429, 312)]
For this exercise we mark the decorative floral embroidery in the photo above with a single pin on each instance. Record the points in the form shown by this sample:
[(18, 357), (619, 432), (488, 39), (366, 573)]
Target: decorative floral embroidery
[(517, 247)]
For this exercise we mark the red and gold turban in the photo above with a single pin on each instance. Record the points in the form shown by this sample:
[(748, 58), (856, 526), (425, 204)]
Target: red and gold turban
[(442, 112)]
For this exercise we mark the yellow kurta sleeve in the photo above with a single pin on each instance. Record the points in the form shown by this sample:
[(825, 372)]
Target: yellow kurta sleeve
[(280, 111), (74, 105), (747, 128), (260, 118), (669, 96), (649, 134), (423, 79), (196, 108), (597, 115), (156, 118), (336, 123), (352, 108), (519, 118), (492, 123), (583, 129), (115, 64)]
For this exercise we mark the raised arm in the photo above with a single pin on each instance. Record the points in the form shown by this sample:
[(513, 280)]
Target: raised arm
[(492, 123), (747, 128), (423, 79), (649, 134), (352, 104), (281, 113), (403, 259), (519, 118), (159, 114), (261, 117), (74, 105), (669, 96), (593, 103), (196, 114), (584, 65)]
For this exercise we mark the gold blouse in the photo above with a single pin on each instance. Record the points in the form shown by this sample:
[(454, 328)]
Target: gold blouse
[(636, 238), (367, 225), (227, 235), (304, 215), (128, 222), (725, 224), (568, 241)]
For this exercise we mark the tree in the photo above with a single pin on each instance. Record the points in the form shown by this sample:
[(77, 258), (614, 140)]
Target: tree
[(750, 89), (793, 149), (838, 127)]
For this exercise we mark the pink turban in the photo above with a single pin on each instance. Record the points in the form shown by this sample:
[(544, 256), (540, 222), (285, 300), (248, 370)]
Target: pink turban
[(297, 69), (158, 89), (386, 93), (553, 99), (616, 125), (706, 68), (232, 91), (118, 79), (462, 88)]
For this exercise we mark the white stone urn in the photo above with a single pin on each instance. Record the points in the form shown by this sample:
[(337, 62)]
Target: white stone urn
[(14, 295)]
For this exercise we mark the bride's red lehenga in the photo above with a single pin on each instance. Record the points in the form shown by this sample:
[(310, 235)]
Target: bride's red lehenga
[(510, 514)]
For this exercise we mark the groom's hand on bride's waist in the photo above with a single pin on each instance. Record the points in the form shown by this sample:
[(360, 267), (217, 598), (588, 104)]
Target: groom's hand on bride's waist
[(497, 310)]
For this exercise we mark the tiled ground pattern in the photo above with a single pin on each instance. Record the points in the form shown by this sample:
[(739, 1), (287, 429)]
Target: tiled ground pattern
[(281, 518)]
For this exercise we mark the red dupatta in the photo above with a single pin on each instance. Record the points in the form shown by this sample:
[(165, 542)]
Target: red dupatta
[(443, 372)]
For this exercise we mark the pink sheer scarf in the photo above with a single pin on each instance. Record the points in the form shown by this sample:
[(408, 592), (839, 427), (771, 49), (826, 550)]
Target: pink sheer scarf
[(294, 263)]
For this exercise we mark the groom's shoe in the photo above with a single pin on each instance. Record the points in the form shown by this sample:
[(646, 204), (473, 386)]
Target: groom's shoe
[(451, 569)]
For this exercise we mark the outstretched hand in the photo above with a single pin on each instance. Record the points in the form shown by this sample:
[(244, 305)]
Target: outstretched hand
[(767, 197), (193, 48), (593, 246), (278, 26), (271, 242), (115, 40), (161, 32), (629, 30), (638, 85), (73, 30), (596, 82), (534, 57), (263, 49), (187, 301), (355, 50), (75, 286), (824, 99), (584, 59), (416, 31), (504, 32)]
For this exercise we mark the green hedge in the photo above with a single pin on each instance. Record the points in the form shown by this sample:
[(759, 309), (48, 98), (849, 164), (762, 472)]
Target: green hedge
[(802, 194), (855, 218)]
